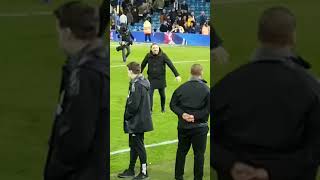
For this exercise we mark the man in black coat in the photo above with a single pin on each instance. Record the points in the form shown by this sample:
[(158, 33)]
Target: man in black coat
[(191, 103), (157, 61), (137, 120), (78, 147), (266, 113)]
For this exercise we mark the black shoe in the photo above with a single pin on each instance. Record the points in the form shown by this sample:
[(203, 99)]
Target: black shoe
[(126, 174), (163, 110), (141, 176), (119, 48)]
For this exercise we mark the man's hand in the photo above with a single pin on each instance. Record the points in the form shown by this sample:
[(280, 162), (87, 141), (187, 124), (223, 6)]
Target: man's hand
[(178, 79), (241, 171), (187, 117), (220, 54)]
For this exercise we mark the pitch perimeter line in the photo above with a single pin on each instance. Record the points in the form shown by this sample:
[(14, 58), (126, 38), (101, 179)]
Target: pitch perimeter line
[(147, 146), (177, 62)]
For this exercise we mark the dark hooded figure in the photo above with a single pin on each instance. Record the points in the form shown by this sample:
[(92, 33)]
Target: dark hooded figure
[(137, 120), (157, 61), (78, 147)]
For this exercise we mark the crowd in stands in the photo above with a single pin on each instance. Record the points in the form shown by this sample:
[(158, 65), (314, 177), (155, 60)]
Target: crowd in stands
[(174, 15)]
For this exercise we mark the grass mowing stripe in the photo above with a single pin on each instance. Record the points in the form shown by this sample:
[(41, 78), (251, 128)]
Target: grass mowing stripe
[(175, 62), (148, 146)]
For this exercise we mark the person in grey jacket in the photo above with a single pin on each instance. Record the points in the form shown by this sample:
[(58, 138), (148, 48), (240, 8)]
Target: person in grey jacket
[(137, 120), (191, 103)]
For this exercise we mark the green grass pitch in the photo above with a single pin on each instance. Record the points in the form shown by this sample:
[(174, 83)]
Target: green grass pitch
[(162, 158)]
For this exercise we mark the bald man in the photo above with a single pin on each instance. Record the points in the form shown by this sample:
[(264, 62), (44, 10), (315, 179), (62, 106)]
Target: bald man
[(190, 102), (266, 113)]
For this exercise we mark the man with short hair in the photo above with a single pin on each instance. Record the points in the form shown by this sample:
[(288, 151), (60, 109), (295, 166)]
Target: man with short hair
[(78, 147), (266, 113), (191, 103), (157, 60), (137, 120)]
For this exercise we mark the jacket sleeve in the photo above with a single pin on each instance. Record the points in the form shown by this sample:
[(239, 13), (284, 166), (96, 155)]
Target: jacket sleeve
[(313, 126), (221, 158), (133, 102), (171, 66), (144, 63), (204, 111), (174, 104), (81, 117)]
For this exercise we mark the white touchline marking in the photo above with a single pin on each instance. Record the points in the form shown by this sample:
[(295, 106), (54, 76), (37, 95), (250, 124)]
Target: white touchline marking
[(147, 146), (177, 62)]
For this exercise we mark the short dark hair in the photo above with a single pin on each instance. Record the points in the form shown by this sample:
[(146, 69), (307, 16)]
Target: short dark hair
[(196, 70), (134, 67), (277, 25), (81, 18)]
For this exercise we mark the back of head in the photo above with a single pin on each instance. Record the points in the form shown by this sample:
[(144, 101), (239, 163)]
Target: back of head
[(196, 70), (82, 19), (134, 67), (277, 26)]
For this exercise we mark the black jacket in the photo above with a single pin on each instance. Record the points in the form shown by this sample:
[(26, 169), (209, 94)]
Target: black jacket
[(157, 69), (267, 114), (137, 115), (78, 148), (192, 97)]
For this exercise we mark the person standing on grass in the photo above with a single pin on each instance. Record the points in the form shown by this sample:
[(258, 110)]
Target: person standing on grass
[(147, 30), (137, 121), (78, 145), (157, 61), (191, 103)]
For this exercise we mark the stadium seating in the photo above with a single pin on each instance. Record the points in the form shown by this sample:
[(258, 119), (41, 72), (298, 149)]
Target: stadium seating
[(194, 5)]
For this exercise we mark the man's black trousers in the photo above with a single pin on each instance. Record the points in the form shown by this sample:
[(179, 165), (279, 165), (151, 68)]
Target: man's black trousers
[(137, 149), (162, 93), (196, 137)]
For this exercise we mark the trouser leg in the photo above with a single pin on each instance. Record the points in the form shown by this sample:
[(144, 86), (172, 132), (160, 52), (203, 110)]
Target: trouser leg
[(184, 144), (162, 93), (199, 143)]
